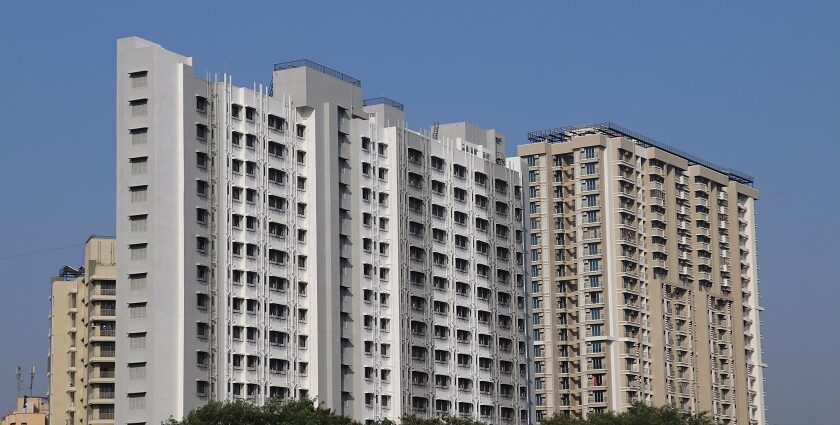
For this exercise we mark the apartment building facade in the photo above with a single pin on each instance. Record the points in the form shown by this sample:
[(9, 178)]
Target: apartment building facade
[(82, 338), (29, 410), (281, 242), (644, 277)]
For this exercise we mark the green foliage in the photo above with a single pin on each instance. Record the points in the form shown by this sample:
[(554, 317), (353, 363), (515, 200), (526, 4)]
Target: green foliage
[(448, 420), (638, 414), (274, 412), (307, 412)]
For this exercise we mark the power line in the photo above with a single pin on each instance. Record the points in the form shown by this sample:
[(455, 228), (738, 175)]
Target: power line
[(26, 254)]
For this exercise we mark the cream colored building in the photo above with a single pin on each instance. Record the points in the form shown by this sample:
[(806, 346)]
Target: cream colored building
[(82, 338), (29, 411), (644, 277)]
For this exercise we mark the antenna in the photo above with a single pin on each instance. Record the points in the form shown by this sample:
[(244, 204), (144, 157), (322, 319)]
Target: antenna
[(19, 381), (31, 379), (435, 128)]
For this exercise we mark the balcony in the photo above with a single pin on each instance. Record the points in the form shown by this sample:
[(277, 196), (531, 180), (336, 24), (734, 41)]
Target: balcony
[(105, 312), (658, 217), (657, 170), (103, 293)]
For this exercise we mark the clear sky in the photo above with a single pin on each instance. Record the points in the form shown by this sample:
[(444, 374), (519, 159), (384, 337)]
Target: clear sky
[(751, 85)]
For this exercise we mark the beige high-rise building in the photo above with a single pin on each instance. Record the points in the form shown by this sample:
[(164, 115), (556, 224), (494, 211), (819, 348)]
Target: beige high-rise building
[(28, 411), (644, 277), (82, 348)]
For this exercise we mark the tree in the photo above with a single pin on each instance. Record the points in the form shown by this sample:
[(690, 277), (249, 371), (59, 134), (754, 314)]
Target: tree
[(274, 412), (638, 414), (307, 412)]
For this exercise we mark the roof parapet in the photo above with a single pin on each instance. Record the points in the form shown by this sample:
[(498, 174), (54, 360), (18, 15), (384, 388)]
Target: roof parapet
[(383, 101), (563, 134), (306, 63)]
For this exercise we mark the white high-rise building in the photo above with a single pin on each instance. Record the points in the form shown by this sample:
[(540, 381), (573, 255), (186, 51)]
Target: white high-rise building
[(295, 240)]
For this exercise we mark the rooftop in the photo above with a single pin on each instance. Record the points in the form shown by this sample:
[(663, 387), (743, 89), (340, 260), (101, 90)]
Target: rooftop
[(306, 63), (383, 100), (563, 134)]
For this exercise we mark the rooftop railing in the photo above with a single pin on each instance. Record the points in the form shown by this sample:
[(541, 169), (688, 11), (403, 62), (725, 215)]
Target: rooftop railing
[(563, 134), (306, 63)]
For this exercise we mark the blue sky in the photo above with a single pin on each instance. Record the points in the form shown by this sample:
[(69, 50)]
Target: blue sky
[(751, 85)]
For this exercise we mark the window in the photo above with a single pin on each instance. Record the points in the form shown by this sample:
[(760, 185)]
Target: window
[(139, 107), (137, 281), (201, 132), (250, 196), (202, 273), (589, 169), (202, 188), (276, 176), (589, 152), (201, 215), (250, 113), (201, 104), (139, 165), (276, 123), (138, 135), (137, 341), (437, 163), (480, 178), (459, 171), (136, 401), (138, 193), (236, 111), (138, 222), (532, 160), (201, 160), (139, 79), (276, 149), (300, 130), (137, 371), (137, 310), (137, 251), (276, 202)]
